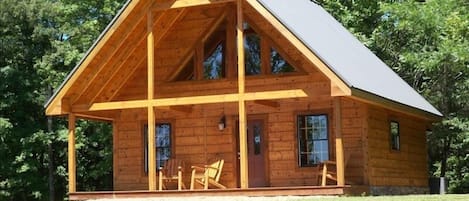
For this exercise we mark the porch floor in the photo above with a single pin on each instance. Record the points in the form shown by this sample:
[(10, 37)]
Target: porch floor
[(251, 192)]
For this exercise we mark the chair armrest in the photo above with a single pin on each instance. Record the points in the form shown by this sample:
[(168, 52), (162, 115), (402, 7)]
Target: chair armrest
[(329, 162), (197, 168), (209, 167)]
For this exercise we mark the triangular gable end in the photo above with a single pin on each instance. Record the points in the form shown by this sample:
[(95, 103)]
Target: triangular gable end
[(350, 69), (350, 62)]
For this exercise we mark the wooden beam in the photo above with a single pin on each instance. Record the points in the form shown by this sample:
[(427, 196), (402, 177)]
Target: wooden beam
[(230, 45), (163, 23), (379, 101), (72, 160), (96, 49), (110, 57), (301, 47), (181, 108), (199, 61), (187, 3), (193, 100), (339, 146), (201, 39), (243, 147), (151, 112), (265, 57), (268, 103)]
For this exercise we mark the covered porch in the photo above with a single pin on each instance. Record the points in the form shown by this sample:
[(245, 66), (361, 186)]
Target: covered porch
[(150, 71)]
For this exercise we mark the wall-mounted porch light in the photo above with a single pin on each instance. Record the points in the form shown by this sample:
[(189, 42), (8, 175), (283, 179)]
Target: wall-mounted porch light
[(222, 123)]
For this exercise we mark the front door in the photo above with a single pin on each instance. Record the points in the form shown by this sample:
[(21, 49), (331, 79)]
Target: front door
[(256, 152)]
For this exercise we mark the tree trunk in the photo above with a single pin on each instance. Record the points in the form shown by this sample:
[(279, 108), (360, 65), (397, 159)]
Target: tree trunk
[(51, 158)]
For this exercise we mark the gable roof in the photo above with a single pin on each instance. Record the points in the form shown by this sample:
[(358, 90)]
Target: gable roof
[(344, 54), (346, 57)]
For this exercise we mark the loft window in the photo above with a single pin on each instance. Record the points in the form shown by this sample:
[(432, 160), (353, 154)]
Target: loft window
[(252, 53), (214, 64), (162, 144), (313, 141), (278, 63), (394, 135)]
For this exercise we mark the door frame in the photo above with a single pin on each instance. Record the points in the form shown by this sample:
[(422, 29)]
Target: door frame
[(265, 145)]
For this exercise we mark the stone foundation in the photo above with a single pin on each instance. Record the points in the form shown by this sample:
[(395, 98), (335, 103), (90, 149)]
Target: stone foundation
[(398, 190)]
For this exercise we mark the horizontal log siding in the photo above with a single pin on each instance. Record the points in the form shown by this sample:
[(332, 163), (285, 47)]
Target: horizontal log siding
[(406, 167)]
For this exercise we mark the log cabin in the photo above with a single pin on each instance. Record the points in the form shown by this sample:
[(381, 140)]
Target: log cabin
[(274, 88)]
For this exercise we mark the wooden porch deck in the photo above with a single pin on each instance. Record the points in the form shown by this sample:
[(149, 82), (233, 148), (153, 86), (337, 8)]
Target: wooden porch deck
[(251, 192)]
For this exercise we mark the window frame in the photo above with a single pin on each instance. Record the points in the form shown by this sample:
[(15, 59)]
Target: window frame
[(145, 143), (392, 140), (298, 115)]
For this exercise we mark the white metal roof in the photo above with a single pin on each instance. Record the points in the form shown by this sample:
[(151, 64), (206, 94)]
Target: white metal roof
[(344, 54)]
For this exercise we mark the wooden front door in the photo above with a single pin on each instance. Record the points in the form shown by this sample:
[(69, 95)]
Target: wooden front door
[(256, 153)]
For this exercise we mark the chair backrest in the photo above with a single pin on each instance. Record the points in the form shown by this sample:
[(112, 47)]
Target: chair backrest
[(215, 169), (171, 166)]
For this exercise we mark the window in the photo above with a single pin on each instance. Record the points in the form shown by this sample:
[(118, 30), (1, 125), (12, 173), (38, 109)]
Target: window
[(252, 53), (313, 142), (278, 64), (214, 64), (162, 144), (395, 136)]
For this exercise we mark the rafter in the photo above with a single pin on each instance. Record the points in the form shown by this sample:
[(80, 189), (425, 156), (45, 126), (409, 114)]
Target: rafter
[(52, 106), (163, 23), (111, 55), (187, 3), (201, 39)]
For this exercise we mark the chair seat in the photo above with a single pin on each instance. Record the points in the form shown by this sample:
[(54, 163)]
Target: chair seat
[(171, 172), (207, 175)]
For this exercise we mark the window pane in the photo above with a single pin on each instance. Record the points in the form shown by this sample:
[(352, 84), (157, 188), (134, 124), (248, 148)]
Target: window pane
[(162, 144), (279, 65), (394, 131), (313, 139), (252, 54), (213, 65)]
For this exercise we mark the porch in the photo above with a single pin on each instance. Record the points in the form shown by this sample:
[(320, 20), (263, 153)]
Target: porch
[(189, 106), (251, 192)]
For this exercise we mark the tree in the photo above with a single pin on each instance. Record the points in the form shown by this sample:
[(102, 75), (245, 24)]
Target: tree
[(41, 40), (426, 42)]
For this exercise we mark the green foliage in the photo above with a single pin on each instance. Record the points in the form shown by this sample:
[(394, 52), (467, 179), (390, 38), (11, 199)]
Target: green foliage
[(40, 42), (426, 42)]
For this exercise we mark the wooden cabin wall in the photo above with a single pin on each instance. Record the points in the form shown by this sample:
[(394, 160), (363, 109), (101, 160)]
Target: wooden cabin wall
[(406, 167), (354, 130), (198, 141)]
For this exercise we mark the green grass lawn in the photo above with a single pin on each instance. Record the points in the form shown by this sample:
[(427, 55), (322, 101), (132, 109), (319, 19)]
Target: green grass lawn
[(394, 198)]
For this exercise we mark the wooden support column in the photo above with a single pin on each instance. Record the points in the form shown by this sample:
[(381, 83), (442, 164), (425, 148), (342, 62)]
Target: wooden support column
[(151, 110), (72, 160), (339, 146), (243, 148)]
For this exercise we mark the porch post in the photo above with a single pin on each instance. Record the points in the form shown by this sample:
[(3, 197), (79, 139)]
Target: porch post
[(151, 110), (72, 167), (339, 146), (243, 155)]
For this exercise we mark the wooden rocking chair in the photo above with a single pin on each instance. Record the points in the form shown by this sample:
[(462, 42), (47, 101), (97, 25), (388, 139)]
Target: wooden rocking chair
[(328, 170), (208, 175), (171, 172)]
